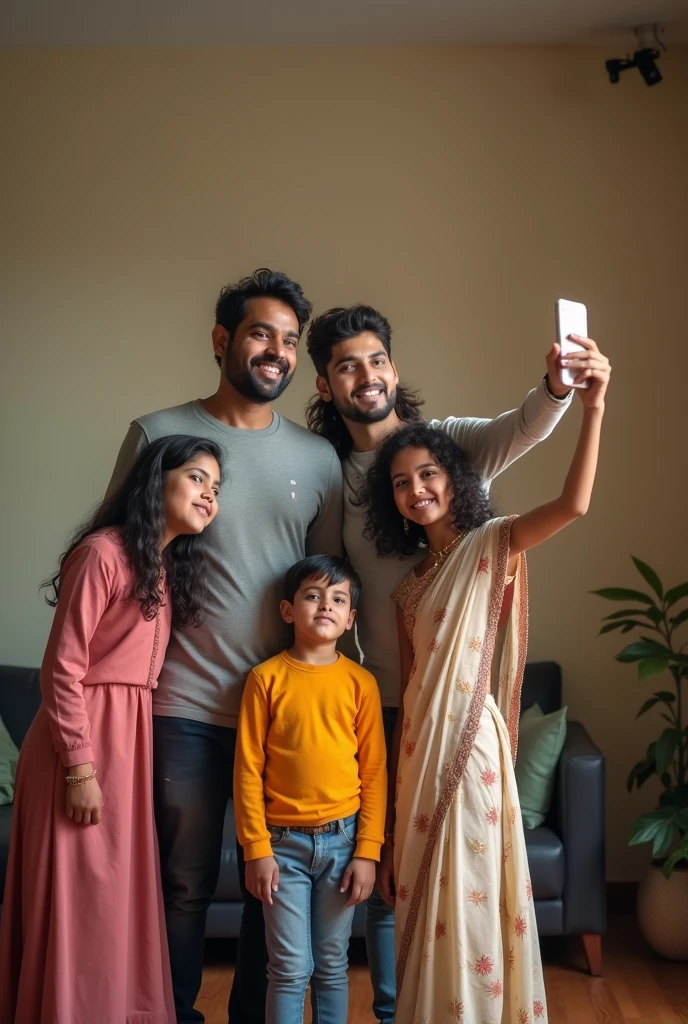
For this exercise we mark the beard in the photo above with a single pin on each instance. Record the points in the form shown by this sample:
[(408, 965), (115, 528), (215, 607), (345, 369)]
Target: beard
[(348, 409), (252, 387)]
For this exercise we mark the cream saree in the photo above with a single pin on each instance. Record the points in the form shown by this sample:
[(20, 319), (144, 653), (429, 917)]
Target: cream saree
[(467, 947)]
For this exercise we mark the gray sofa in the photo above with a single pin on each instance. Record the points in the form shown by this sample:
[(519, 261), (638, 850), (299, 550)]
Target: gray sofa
[(566, 854)]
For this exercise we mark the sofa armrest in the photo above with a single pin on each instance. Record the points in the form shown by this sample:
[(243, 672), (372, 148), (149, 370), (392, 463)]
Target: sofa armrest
[(579, 817)]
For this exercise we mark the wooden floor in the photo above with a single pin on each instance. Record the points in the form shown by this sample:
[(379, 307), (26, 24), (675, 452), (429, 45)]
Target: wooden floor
[(636, 987)]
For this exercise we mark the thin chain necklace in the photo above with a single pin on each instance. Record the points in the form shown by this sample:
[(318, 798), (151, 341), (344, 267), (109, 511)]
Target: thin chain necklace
[(439, 556)]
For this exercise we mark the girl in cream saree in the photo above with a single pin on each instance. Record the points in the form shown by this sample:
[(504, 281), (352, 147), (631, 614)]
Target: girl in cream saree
[(455, 858)]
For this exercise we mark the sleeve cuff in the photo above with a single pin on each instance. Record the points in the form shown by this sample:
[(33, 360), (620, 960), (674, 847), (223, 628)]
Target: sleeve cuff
[(78, 755), (368, 849), (556, 399), (254, 851)]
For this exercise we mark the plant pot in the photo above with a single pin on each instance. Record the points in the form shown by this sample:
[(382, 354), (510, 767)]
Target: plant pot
[(662, 911)]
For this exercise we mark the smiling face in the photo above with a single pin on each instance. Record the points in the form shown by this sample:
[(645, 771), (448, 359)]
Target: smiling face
[(361, 379), (190, 496), (321, 611), (422, 490), (260, 360)]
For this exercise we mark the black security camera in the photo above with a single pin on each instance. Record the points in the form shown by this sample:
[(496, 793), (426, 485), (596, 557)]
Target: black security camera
[(645, 63), (643, 60), (615, 67)]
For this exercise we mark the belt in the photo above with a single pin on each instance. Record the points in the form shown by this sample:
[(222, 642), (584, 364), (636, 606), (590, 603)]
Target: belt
[(315, 830), (311, 830)]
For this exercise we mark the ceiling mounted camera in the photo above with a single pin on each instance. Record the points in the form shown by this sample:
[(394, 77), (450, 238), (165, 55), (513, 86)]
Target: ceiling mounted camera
[(644, 58)]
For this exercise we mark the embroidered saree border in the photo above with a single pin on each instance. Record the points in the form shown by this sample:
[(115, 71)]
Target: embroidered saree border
[(522, 641)]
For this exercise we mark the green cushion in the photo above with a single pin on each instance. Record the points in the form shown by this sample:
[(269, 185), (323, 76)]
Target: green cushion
[(540, 743), (8, 765)]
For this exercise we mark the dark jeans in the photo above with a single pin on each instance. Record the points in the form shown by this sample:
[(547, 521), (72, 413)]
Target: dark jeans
[(380, 926), (193, 768)]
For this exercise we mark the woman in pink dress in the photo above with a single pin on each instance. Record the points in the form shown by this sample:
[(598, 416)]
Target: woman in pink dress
[(82, 939)]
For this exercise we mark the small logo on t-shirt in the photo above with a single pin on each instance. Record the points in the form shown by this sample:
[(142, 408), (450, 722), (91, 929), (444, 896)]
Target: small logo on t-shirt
[(293, 492)]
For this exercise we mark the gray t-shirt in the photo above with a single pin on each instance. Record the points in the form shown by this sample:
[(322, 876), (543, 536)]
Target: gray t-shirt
[(281, 499), (494, 444)]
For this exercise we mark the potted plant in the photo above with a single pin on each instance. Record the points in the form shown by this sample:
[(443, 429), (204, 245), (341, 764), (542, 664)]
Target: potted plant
[(663, 893)]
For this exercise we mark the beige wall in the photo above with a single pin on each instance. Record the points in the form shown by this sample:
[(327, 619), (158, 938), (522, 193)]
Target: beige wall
[(461, 191)]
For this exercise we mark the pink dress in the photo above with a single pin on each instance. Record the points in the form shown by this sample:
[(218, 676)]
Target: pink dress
[(82, 939)]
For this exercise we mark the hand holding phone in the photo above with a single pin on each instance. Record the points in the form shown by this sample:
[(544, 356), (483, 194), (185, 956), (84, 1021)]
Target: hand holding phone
[(571, 318)]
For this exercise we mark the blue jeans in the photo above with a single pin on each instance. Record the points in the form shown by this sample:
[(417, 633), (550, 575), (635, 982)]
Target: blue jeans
[(308, 926), (192, 782), (380, 927)]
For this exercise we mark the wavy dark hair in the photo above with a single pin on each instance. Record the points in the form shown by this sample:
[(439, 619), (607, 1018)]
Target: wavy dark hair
[(230, 308), (137, 510), (326, 331), (470, 505)]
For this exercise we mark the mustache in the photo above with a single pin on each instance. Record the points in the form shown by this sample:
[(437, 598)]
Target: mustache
[(281, 363)]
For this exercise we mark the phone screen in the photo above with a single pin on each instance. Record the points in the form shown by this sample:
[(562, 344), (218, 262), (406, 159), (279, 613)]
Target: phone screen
[(571, 318)]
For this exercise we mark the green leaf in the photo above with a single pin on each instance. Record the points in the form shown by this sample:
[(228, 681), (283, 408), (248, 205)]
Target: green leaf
[(640, 774), (662, 696), (623, 625), (651, 667), (654, 614), (678, 619), (656, 827), (675, 594), (628, 613), (665, 749), (623, 594), (642, 649), (650, 575), (662, 840), (668, 696), (676, 857), (665, 650)]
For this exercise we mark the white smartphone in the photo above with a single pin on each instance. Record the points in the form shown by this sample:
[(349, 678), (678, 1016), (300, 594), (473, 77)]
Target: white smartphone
[(572, 318)]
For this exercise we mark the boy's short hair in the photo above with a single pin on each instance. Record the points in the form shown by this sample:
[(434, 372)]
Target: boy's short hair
[(322, 567)]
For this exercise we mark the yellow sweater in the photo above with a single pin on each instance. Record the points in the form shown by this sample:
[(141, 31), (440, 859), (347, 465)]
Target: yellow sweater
[(310, 750)]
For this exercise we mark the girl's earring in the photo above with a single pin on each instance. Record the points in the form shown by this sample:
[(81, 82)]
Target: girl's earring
[(406, 525)]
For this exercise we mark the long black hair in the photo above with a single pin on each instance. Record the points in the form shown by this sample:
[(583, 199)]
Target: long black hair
[(326, 331), (137, 510), (470, 505)]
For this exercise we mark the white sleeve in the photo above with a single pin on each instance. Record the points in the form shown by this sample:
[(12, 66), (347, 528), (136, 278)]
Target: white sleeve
[(496, 443)]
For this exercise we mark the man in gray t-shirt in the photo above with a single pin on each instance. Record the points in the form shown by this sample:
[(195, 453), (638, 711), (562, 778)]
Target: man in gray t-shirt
[(359, 402), (281, 499)]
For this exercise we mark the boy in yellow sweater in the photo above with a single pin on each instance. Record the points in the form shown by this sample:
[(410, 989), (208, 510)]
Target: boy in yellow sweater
[(310, 789)]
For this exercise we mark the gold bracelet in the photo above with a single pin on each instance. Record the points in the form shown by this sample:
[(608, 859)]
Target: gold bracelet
[(79, 780)]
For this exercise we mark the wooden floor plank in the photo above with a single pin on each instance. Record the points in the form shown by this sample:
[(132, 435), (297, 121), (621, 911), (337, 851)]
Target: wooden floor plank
[(636, 988)]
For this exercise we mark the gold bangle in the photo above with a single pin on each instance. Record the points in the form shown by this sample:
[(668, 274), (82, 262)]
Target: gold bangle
[(79, 780)]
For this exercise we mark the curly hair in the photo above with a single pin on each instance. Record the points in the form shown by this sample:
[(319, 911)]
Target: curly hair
[(137, 509), (230, 308), (326, 331), (470, 505)]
